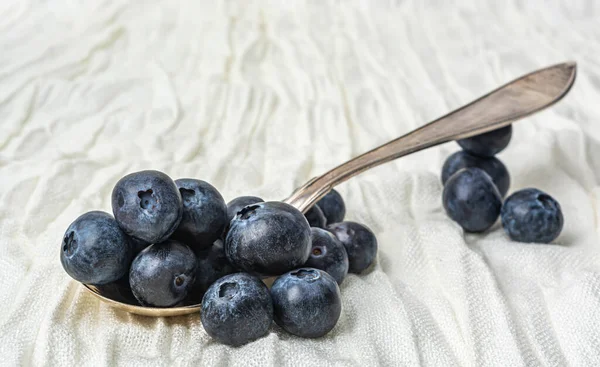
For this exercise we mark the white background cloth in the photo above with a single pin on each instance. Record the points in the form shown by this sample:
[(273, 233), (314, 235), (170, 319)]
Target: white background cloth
[(256, 98)]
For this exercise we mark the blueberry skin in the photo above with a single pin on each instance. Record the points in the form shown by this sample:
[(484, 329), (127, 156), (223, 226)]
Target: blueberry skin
[(237, 309), (531, 215), (268, 239), (204, 214), (488, 144), (162, 274), (147, 205), (315, 217), (333, 207), (472, 200), (492, 166), (328, 254), (212, 265), (360, 244), (95, 250), (306, 302), (237, 204)]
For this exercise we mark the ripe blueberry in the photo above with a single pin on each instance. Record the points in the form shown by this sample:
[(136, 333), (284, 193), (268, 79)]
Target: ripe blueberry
[(328, 254), (204, 214), (488, 144), (531, 215), (237, 309), (360, 243), (147, 205), (472, 200), (333, 207), (162, 274), (94, 250), (268, 239), (306, 302)]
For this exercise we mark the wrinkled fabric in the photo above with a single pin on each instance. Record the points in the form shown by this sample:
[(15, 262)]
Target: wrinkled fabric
[(257, 98)]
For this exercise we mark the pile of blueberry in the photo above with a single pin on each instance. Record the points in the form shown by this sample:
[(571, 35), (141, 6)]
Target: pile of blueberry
[(475, 182), (173, 243)]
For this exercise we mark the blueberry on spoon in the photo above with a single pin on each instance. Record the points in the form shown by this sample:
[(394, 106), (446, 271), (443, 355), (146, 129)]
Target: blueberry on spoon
[(94, 250), (162, 274), (147, 205), (204, 214)]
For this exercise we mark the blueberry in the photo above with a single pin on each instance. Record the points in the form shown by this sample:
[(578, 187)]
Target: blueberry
[(306, 302), (147, 205), (237, 204), (531, 215), (268, 239), (333, 207), (315, 217), (360, 243), (492, 166), (488, 144), (94, 250), (237, 309), (328, 254), (212, 265), (119, 290), (204, 214), (162, 274), (472, 200)]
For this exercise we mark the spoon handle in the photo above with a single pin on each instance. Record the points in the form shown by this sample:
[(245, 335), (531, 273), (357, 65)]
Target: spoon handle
[(510, 102)]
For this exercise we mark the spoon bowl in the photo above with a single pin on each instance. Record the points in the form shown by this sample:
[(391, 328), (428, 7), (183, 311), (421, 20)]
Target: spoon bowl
[(522, 97)]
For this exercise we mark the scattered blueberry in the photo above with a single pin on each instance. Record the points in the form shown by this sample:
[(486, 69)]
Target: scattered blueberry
[(94, 250), (212, 265), (360, 243), (492, 166), (328, 254), (531, 215), (472, 200), (204, 214), (488, 144), (147, 205), (268, 239), (315, 217), (162, 274), (237, 204), (306, 302), (333, 207), (237, 309)]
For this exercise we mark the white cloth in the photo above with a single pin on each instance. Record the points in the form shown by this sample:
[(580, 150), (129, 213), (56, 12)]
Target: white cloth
[(257, 98)]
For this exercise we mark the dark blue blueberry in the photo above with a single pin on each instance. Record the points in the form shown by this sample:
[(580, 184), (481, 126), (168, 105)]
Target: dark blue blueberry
[(472, 200), (315, 217), (212, 265), (204, 214), (94, 250), (531, 215), (119, 290), (488, 144), (333, 207), (306, 302), (237, 309), (162, 274), (268, 239), (328, 254), (360, 243), (237, 204), (492, 166), (147, 205)]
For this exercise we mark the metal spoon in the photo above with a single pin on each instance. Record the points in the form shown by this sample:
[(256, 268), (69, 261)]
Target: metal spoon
[(509, 103)]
